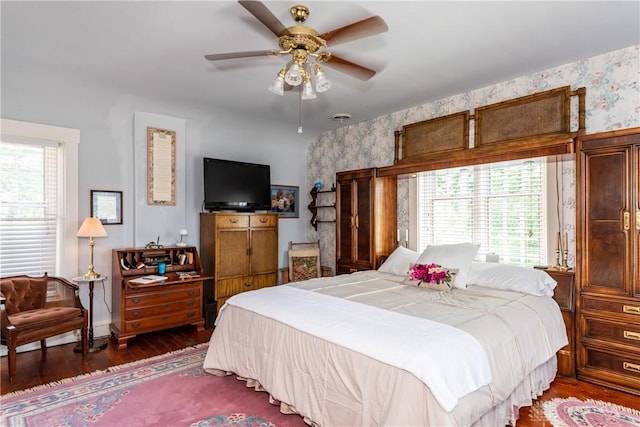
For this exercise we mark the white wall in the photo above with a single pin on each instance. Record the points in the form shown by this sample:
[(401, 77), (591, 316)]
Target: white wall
[(105, 118)]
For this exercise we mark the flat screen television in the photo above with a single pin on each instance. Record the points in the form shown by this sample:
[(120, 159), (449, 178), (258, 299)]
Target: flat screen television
[(237, 186)]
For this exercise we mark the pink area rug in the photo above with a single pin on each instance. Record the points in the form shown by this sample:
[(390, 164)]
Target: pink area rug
[(168, 390), (572, 412)]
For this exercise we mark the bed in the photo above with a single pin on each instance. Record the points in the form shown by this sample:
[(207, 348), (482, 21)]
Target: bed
[(372, 348)]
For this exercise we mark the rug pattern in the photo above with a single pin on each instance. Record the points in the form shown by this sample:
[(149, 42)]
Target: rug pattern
[(171, 389), (573, 412)]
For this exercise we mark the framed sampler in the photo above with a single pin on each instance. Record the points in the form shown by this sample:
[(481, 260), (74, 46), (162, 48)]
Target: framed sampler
[(161, 167)]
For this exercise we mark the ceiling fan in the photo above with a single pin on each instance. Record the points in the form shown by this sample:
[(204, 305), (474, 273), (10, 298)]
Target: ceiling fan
[(303, 43)]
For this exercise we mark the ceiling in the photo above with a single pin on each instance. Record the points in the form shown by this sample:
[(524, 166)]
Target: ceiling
[(433, 49)]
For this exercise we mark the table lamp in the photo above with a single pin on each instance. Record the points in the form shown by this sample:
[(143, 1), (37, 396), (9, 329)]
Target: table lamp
[(182, 232), (91, 227)]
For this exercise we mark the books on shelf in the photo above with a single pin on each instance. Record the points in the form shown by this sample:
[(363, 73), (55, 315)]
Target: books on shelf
[(145, 280)]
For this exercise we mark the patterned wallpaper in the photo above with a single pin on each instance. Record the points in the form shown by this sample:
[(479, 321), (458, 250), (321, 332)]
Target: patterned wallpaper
[(612, 102)]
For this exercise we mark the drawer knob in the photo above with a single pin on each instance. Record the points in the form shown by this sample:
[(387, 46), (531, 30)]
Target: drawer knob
[(247, 285), (135, 300), (135, 325), (233, 220), (136, 313), (190, 314), (263, 220), (632, 309), (633, 367), (632, 335), (191, 303), (192, 292)]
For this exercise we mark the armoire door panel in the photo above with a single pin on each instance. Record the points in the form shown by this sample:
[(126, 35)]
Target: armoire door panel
[(344, 250), (606, 258), (607, 189), (264, 251), (233, 260)]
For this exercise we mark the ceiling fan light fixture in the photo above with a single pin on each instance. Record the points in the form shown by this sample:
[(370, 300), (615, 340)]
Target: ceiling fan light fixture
[(307, 89), (293, 76), (277, 85), (322, 82)]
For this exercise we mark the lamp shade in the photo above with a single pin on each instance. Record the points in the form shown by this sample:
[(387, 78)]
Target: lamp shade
[(183, 232), (91, 227)]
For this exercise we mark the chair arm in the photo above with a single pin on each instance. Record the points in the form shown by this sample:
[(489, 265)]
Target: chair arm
[(4, 316), (68, 293)]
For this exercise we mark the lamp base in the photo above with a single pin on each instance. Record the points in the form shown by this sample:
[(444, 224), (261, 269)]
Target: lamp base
[(98, 345), (92, 275), (181, 244)]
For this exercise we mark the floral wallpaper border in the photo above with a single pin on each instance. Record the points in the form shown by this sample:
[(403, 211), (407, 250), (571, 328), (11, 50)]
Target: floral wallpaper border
[(612, 102)]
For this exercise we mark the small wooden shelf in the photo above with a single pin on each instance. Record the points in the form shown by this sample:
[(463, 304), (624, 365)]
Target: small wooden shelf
[(314, 206)]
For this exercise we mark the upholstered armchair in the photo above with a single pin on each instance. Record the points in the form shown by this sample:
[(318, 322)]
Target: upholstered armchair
[(36, 308)]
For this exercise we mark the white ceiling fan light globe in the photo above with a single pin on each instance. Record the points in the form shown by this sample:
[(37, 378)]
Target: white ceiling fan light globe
[(293, 76), (307, 91), (277, 86), (322, 82)]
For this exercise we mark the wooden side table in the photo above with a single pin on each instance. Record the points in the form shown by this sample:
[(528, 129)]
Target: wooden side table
[(564, 294), (93, 345)]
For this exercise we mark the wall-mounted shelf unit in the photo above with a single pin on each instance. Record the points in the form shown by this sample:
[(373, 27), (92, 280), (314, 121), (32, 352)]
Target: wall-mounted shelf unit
[(320, 199)]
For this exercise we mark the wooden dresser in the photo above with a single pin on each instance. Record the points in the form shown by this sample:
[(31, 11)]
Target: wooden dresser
[(608, 250), (151, 307), (564, 294), (240, 252), (366, 210)]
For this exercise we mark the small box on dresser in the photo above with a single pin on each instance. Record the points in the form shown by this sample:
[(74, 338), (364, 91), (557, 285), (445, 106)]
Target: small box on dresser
[(141, 308)]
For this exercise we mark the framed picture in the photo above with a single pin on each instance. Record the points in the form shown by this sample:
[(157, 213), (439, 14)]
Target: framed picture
[(107, 206), (285, 200)]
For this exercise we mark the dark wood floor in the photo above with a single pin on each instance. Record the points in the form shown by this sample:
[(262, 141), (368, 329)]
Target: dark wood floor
[(62, 362)]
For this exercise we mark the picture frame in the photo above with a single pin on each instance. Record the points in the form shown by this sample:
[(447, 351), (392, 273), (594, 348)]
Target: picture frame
[(161, 166), (285, 200), (106, 205)]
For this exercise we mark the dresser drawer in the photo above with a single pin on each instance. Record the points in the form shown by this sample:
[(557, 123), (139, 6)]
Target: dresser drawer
[(629, 310), (158, 297), (138, 313), (228, 287), (163, 321), (613, 332), (232, 221), (622, 368), (258, 220)]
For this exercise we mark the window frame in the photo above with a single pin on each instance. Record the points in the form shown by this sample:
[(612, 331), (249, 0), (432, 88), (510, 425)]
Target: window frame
[(68, 140), (553, 200)]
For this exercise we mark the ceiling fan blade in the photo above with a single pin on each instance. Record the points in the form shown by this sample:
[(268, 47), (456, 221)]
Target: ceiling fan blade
[(358, 30), (350, 68), (264, 15), (234, 55)]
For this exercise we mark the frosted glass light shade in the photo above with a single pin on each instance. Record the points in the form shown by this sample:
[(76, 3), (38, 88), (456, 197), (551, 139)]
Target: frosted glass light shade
[(277, 86), (293, 76), (307, 91), (322, 82)]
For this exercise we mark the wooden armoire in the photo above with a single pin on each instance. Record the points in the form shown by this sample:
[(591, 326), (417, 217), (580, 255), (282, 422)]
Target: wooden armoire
[(366, 212), (240, 251), (608, 259)]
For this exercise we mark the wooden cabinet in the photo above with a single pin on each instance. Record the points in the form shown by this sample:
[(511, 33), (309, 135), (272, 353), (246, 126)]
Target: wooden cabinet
[(240, 252), (366, 223), (151, 307), (564, 294), (608, 345)]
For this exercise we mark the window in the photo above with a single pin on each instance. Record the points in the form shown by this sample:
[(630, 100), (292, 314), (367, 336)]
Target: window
[(28, 208), (38, 199), (502, 206)]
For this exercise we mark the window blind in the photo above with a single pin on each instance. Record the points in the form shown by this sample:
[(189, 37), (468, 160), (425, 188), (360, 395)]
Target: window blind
[(28, 208), (502, 206)]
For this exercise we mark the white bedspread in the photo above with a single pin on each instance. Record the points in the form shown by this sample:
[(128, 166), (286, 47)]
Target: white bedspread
[(423, 347), (333, 385)]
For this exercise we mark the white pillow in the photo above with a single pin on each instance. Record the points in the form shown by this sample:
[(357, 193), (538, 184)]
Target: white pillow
[(399, 261), (458, 255), (512, 278)]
